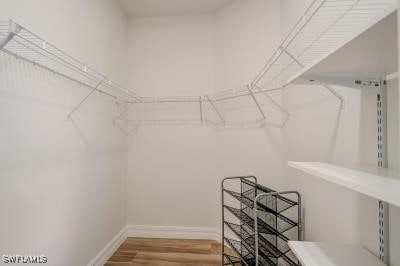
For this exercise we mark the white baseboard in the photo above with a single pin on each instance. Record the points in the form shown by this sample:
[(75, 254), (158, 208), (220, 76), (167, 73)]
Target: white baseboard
[(109, 249), (173, 232), (148, 231)]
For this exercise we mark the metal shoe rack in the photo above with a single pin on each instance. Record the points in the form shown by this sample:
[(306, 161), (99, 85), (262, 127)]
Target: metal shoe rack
[(257, 223)]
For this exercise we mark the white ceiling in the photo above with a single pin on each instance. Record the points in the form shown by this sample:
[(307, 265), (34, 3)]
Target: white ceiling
[(147, 8)]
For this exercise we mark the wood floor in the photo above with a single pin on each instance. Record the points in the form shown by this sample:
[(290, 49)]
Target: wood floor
[(145, 251)]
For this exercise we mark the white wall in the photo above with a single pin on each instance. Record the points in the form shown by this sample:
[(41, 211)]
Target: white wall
[(171, 168), (248, 32), (175, 172), (319, 131), (171, 55), (62, 182)]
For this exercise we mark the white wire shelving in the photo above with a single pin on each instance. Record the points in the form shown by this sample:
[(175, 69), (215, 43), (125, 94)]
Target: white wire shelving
[(318, 33), (22, 43)]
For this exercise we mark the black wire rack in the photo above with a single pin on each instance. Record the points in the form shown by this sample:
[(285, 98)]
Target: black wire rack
[(278, 216)]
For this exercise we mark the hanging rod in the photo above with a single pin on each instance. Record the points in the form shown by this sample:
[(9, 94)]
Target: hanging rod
[(164, 122), (169, 99)]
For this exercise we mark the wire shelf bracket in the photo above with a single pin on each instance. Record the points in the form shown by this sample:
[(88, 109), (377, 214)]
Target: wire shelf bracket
[(329, 88), (265, 93), (96, 88), (201, 109), (257, 103), (214, 107), (122, 114), (337, 95), (12, 30), (323, 26)]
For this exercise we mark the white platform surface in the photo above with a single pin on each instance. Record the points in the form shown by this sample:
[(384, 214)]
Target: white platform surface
[(380, 183), (330, 254), (371, 54)]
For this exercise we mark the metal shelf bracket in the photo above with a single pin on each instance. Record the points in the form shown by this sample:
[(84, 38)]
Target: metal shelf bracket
[(382, 160), (337, 95), (256, 102), (123, 112), (215, 109), (265, 93), (201, 109), (85, 99)]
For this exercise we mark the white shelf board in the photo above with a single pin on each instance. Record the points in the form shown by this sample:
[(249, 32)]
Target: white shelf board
[(379, 183), (330, 254), (372, 53)]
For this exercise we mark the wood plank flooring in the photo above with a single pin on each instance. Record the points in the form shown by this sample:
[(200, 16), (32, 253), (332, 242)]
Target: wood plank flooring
[(146, 251)]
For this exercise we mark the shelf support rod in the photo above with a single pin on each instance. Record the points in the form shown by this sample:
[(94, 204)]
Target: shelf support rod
[(13, 29), (335, 93), (123, 112), (128, 132), (201, 109), (382, 160), (215, 109), (292, 57), (84, 99), (256, 102), (276, 104)]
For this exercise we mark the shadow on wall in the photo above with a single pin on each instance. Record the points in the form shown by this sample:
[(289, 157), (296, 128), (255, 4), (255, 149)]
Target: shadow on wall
[(38, 100), (333, 142), (319, 130)]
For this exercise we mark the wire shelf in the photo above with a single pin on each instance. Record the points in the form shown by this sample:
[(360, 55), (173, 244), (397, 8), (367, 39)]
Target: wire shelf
[(275, 204), (272, 204), (24, 44), (272, 243), (239, 250), (322, 28), (264, 227), (266, 248), (232, 260)]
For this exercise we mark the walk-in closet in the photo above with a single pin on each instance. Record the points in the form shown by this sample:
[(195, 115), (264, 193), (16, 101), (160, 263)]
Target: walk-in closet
[(208, 132)]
